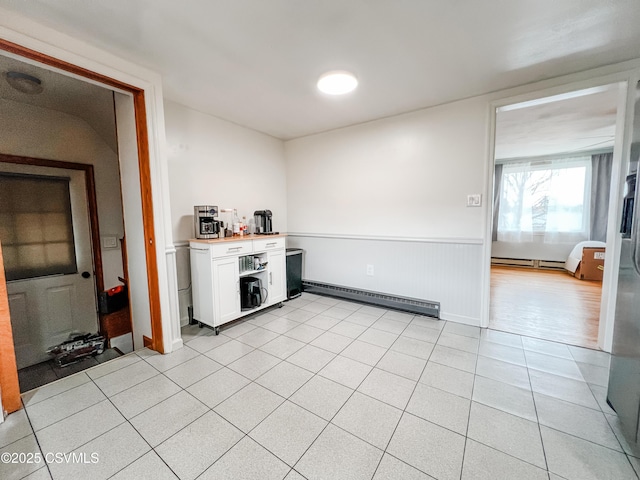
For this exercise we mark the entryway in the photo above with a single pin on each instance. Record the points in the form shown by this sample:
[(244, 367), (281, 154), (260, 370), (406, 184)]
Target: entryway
[(68, 129), (552, 184)]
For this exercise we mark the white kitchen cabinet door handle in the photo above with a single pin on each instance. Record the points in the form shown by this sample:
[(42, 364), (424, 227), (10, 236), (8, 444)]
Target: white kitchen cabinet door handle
[(270, 278), (271, 244)]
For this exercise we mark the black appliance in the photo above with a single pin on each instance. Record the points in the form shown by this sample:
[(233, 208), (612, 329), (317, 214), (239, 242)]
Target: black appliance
[(251, 293), (294, 272), (264, 225)]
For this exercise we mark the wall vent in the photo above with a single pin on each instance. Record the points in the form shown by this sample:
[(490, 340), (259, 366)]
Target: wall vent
[(413, 305)]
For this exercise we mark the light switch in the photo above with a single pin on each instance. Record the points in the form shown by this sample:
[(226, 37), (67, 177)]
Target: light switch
[(474, 200), (109, 241)]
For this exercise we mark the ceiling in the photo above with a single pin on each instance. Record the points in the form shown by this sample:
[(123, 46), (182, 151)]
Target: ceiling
[(89, 102), (255, 62), (566, 125)]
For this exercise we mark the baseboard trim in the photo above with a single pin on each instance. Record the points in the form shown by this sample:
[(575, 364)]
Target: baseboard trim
[(452, 317), (177, 344)]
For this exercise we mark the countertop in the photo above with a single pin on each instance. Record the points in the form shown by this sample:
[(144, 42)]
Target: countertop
[(240, 238)]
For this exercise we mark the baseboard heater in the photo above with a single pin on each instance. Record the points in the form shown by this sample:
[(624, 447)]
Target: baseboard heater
[(518, 262), (406, 304)]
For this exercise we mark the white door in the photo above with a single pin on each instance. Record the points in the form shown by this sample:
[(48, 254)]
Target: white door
[(45, 310), (277, 279)]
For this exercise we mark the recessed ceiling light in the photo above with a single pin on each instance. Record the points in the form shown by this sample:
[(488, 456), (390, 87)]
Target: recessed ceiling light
[(337, 82), (24, 83)]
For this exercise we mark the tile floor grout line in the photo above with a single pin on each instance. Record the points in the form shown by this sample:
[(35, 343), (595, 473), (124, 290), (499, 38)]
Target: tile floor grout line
[(387, 349), (535, 408), (57, 394), (127, 420), (466, 433), (404, 410), (46, 464), (337, 412)]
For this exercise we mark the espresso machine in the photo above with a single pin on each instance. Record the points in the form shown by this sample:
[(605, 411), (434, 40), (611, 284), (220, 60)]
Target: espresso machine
[(264, 225), (206, 223)]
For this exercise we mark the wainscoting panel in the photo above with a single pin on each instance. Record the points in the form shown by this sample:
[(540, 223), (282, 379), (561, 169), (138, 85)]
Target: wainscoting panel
[(445, 271)]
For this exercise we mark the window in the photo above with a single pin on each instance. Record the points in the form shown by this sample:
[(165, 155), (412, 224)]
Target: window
[(36, 228), (548, 200)]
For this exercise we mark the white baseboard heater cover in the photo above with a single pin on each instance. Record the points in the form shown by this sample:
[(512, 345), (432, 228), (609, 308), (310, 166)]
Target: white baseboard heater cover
[(519, 262), (413, 305)]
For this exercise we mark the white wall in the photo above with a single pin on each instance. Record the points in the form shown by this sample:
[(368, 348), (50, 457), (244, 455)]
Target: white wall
[(406, 177), (31, 131), (215, 162)]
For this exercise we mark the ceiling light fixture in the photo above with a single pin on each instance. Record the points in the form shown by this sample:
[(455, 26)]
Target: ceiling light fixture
[(24, 83), (337, 82)]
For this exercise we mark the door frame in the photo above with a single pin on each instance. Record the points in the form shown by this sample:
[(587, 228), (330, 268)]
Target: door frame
[(619, 167), (90, 184), (8, 378)]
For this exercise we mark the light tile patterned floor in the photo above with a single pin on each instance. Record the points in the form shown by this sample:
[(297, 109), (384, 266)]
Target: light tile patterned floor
[(325, 389)]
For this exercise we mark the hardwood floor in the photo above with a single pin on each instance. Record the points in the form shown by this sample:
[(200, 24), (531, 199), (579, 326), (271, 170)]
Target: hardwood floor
[(547, 304)]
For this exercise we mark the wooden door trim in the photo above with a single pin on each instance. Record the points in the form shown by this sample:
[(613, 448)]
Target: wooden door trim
[(90, 185), (8, 369), (144, 165)]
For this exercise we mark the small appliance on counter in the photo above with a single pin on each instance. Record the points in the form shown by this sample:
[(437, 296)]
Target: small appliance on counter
[(251, 293), (264, 226), (206, 223)]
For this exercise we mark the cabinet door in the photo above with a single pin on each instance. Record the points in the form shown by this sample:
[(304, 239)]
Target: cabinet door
[(226, 288), (202, 286), (277, 276)]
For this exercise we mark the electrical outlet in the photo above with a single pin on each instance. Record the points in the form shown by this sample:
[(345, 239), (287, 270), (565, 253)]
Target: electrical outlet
[(474, 200), (370, 270)]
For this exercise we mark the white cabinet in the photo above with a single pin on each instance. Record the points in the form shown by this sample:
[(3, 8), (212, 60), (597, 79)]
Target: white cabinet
[(226, 290), (216, 269), (277, 276)]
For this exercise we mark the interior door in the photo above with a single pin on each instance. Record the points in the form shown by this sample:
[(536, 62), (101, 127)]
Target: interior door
[(46, 309)]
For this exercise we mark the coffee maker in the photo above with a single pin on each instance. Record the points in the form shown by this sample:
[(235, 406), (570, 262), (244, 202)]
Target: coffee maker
[(263, 222), (250, 293), (206, 224)]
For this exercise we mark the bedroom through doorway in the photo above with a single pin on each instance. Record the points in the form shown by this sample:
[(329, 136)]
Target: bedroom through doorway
[(552, 181)]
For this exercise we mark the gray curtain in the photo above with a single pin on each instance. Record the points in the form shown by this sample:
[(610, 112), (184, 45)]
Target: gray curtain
[(600, 185), (497, 186)]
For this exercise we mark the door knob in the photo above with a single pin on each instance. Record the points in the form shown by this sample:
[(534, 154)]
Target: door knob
[(86, 275)]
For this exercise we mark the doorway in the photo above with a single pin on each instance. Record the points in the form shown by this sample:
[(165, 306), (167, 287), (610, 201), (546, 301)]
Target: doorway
[(146, 300), (552, 181)]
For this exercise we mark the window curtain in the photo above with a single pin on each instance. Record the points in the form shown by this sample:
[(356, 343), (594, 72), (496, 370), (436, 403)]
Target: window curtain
[(600, 187), (545, 201), (497, 189)]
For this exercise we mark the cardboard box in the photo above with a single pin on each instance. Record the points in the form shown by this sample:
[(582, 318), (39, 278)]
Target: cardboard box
[(591, 266)]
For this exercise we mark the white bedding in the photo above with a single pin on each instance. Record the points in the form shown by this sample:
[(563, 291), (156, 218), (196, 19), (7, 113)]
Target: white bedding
[(575, 257)]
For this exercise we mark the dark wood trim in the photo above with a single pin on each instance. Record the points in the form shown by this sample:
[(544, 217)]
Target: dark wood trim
[(145, 178), (90, 185), (147, 220), (66, 66), (8, 368), (147, 341)]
